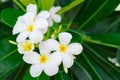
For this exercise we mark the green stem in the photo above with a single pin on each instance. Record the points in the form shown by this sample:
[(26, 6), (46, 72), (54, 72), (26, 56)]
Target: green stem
[(70, 6), (21, 7)]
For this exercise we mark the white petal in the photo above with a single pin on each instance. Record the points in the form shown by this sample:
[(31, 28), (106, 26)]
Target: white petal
[(28, 18), (50, 22), (54, 9), (22, 36), (50, 70), (36, 70), (55, 59), (52, 44), (32, 8), (75, 48), (19, 27), (43, 14), (36, 36), (65, 38), (31, 58), (20, 19), (56, 18), (41, 23), (117, 8), (43, 48), (44, 30), (67, 60)]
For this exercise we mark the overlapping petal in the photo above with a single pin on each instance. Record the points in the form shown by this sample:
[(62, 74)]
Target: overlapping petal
[(43, 14), (28, 18), (22, 36), (65, 38), (56, 18), (50, 69), (31, 58), (31, 8), (52, 44), (41, 23), (36, 36), (19, 27), (36, 70), (75, 48)]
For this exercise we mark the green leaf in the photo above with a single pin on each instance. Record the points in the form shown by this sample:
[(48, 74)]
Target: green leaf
[(109, 24), (9, 16), (111, 40), (5, 31), (96, 55), (45, 4), (94, 11), (10, 59), (104, 75), (63, 2), (80, 72), (70, 6), (90, 72)]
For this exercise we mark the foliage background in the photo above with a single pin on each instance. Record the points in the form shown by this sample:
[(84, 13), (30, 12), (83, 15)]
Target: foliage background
[(93, 23)]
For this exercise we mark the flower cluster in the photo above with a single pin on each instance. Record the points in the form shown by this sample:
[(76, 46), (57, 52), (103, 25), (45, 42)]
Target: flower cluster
[(31, 28)]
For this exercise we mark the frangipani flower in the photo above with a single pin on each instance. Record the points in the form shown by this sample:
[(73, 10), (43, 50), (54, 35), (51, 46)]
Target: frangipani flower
[(25, 47), (49, 63), (31, 26), (53, 16), (64, 49)]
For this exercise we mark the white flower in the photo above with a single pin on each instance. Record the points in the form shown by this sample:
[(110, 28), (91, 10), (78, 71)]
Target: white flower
[(53, 16), (31, 26), (65, 49), (49, 63), (25, 47), (117, 8)]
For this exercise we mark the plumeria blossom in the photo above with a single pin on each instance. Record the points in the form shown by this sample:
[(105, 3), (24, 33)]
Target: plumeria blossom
[(31, 25), (53, 16), (25, 47), (64, 49), (49, 63)]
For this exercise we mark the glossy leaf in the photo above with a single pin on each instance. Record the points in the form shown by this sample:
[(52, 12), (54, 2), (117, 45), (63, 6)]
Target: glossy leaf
[(112, 70), (94, 11), (10, 59), (110, 24), (111, 40), (5, 31), (9, 16)]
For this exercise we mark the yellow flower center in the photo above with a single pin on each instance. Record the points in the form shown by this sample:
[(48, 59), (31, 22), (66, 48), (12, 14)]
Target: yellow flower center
[(27, 46), (63, 48), (30, 28), (43, 58)]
